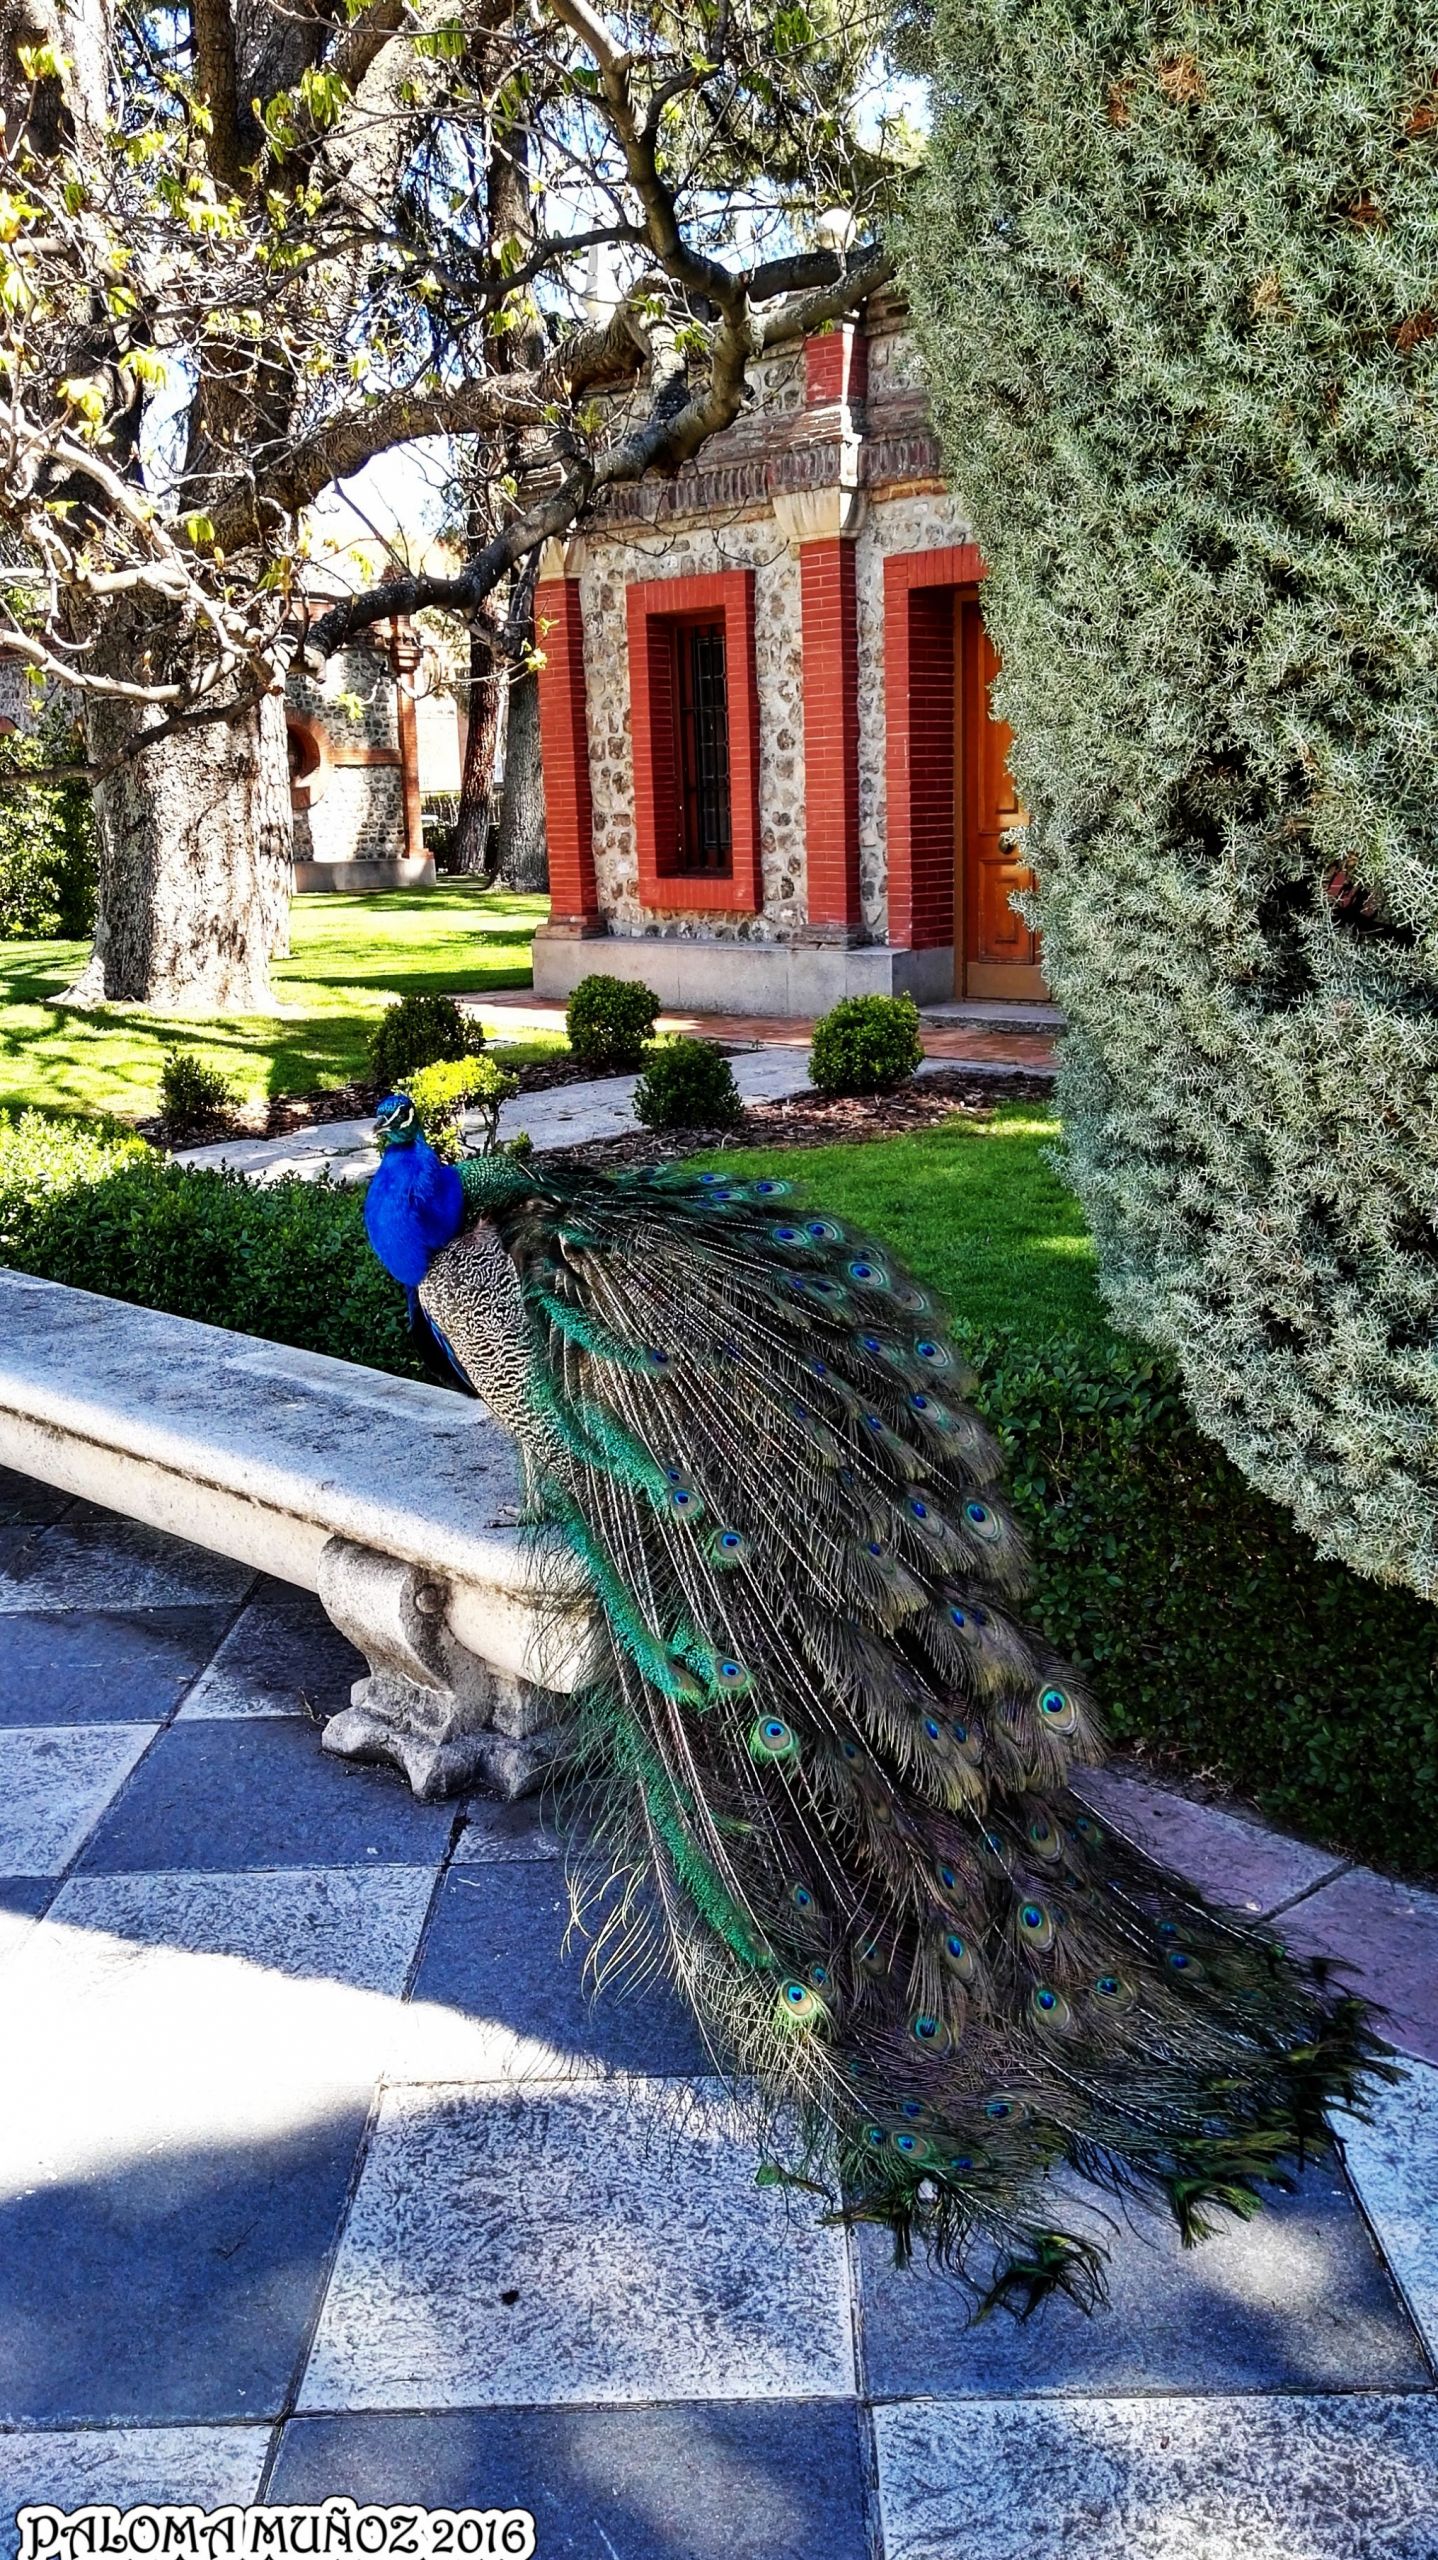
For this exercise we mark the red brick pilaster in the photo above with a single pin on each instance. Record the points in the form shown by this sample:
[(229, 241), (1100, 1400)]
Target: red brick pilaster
[(564, 752), (836, 366), (919, 678), (830, 613)]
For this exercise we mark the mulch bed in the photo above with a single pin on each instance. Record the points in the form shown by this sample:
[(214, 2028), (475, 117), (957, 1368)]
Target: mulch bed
[(817, 1120)]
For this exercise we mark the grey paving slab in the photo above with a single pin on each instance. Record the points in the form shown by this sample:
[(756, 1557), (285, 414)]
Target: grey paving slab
[(1235, 1861), (1393, 2162), (258, 1791), (128, 2467), (1295, 2300), (731, 2480), (55, 1783), (1335, 2477), (503, 1831), (282, 1657), (190, 2061), (93, 1666), (23, 1500), (586, 2243), (91, 1560), (1386, 1934), (512, 1995)]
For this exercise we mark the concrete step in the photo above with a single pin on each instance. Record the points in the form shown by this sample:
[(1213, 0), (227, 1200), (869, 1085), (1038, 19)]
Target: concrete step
[(994, 1013)]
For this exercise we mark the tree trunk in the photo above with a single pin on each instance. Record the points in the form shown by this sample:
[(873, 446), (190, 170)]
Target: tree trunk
[(523, 845), (195, 840), (476, 790)]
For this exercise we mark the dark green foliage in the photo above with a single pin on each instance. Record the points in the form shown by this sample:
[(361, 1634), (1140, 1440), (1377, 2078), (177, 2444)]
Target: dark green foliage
[(1208, 1626), (100, 1210), (610, 1022), (47, 839), (688, 1084), (191, 1094), (866, 1044), (421, 1031), (1174, 272)]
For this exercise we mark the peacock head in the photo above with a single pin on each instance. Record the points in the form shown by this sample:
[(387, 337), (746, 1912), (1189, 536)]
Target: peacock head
[(396, 1123)]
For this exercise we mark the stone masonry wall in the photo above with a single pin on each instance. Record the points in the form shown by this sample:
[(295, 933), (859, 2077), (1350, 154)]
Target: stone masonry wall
[(356, 811), (611, 562)]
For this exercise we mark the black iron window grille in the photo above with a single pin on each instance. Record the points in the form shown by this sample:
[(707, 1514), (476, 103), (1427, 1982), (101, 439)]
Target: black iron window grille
[(701, 698)]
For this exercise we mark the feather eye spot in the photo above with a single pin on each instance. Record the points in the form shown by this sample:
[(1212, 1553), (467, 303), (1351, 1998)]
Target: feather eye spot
[(824, 1231), (656, 1358), (1036, 1926), (919, 1509), (998, 2109), (919, 1404), (960, 2162), (1058, 1710), (875, 2136), (870, 1275), (933, 1728), (958, 1617), (800, 2006), (913, 2108), (1050, 2008), (985, 1523), (914, 2146), (819, 1977), (929, 2031), (772, 1739), (801, 1897), (947, 1877), (959, 1731), (871, 1342), (788, 1235), (1090, 1831)]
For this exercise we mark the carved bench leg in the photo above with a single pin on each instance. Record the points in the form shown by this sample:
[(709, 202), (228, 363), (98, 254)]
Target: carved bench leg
[(447, 1719)]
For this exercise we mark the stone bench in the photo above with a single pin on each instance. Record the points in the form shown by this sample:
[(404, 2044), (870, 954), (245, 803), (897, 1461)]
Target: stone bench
[(397, 1503)]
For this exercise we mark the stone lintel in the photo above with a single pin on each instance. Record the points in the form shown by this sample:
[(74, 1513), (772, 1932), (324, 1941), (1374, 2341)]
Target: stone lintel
[(830, 514)]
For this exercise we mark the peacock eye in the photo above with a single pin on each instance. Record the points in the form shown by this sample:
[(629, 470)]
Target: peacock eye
[(931, 1729)]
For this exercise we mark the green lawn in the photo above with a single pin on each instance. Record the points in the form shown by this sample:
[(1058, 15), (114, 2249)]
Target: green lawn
[(351, 957), (975, 1206)]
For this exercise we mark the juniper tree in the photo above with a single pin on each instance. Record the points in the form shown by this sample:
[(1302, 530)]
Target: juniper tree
[(1177, 286)]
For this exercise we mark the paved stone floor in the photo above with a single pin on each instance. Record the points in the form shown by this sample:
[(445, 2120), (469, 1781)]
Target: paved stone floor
[(321, 2175)]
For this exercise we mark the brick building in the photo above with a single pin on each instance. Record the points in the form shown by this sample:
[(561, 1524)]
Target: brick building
[(772, 774)]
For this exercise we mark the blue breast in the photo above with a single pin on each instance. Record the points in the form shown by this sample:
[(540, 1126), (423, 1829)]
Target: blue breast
[(413, 1207)]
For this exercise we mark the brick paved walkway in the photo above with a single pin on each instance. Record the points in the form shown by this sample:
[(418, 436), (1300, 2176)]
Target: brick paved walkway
[(321, 2175)]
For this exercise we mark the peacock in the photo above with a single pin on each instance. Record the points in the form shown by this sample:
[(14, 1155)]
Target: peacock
[(830, 1767)]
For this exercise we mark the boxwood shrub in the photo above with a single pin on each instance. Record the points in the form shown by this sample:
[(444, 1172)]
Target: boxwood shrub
[(1213, 1633), (866, 1044)]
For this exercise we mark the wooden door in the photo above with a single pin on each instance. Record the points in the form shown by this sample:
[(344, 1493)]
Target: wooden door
[(995, 954)]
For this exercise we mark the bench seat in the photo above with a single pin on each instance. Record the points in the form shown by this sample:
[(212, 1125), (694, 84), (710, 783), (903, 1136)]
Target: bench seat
[(397, 1502)]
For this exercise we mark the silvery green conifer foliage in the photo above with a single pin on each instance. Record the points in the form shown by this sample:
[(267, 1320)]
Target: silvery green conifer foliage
[(1176, 274)]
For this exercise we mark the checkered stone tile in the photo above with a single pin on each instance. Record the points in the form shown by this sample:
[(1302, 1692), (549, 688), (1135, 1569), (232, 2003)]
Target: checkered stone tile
[(190, 2063), (123, 2467), (586, 2243), (1297, 2299), (713, 2480), (1340, 2477), (102, 1666), (55, 1783), (259, 1791), (282, 1657), (502, 1992), (92, 1560), (1393, 2162)]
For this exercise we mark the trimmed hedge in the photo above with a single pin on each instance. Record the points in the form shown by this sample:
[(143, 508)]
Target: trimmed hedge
[(866, 1044), (1211, 1629)]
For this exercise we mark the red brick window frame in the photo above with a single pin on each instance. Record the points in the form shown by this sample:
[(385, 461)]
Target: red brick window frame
[(654, 606), (919, 760)]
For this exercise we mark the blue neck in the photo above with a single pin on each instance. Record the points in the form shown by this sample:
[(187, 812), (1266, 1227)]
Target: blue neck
[(413, 1208)]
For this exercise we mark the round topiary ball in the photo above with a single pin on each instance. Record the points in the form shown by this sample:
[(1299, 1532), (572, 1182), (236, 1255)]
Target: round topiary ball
[(688, 1084)]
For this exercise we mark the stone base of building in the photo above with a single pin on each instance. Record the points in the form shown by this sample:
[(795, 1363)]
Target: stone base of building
[(789, 979), (402, 872)]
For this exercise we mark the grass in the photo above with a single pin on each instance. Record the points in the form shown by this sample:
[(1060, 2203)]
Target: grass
[(974, 1206), (351, 957)]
